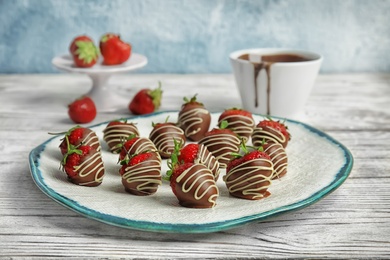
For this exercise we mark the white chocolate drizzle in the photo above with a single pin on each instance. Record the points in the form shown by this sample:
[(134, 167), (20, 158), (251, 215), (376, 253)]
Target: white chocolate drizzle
[(278, 157), (83, 170), (146, 173), (190, 119), (116, 134), (193, 180), (241, 125), (163, 136), (221, 146), (251, 180), (206, 158), (92, 140), (267, 134)]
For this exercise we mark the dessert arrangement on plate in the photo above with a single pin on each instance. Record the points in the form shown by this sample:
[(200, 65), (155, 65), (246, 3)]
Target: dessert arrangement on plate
[(194, 151)]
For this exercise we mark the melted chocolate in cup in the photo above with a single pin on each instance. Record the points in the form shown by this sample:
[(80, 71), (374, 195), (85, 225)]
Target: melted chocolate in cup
[(266, 63), (275, 82)]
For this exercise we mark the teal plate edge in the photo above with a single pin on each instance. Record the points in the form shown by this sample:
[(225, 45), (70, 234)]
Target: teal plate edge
[(340, 177)]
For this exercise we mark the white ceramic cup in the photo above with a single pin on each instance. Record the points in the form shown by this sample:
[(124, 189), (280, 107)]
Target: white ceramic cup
[(275, 88)]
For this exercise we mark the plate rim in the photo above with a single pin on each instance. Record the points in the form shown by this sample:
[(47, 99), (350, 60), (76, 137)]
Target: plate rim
[(338, 179)]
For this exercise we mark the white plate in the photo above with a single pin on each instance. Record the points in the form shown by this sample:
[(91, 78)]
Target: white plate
[(318, 164), (65, 63)]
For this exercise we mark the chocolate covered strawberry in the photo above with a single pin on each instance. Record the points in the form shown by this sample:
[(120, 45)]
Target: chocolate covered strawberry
[(84, 52), (278, 157), (193, 184), (83, 164), (198, 154), (271, 132), (80, 135), (249, 176), (114, 50), (239, 121), (141, 174), (163, 135), (221, 142), (136, 145), (194, 119), (146, 101), (117, 132)]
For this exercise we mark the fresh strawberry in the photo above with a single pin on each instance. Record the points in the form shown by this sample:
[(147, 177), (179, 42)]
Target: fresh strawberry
[(141, 174), (146, 101), (80, 135), (84, 52), (221, 142), (114, 50), (270, 131), (189, 153), (248, 176), (82, 38), (83, 164), (198, 153), (239, 121), (82, 110), (194, 119)]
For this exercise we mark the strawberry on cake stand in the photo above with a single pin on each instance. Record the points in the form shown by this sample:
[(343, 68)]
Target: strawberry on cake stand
[(104, 98)]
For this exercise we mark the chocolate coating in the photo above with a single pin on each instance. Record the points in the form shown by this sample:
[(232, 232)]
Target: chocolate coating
[(250, 180), (144, 178), (278, 158), (89, 138), (116, 134), (240, 125), (208, 159), (195, 120), (163, 135), (269, 135), (196, 188), (222, 145), (142, 145), (90, 170)]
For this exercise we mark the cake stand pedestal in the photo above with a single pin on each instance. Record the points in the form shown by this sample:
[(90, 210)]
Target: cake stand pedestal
[(105, 100)]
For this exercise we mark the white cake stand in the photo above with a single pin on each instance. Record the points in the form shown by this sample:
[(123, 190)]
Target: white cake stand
[(105, 100)]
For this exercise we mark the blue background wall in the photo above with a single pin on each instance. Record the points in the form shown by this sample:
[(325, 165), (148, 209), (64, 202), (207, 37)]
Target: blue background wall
[(185, 36)]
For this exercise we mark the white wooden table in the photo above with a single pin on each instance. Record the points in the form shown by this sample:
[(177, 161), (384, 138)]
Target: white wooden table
[(351, 222)]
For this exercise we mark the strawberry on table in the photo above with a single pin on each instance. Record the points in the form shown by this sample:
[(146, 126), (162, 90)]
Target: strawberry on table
[(141, 174), (83, 164), (79, 135), (82, 110), (249, 176), (272, 131), (84, 52), (146, 101), (193, 184), (113, 49), (239, 121), (194, 119), (221, 142)]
